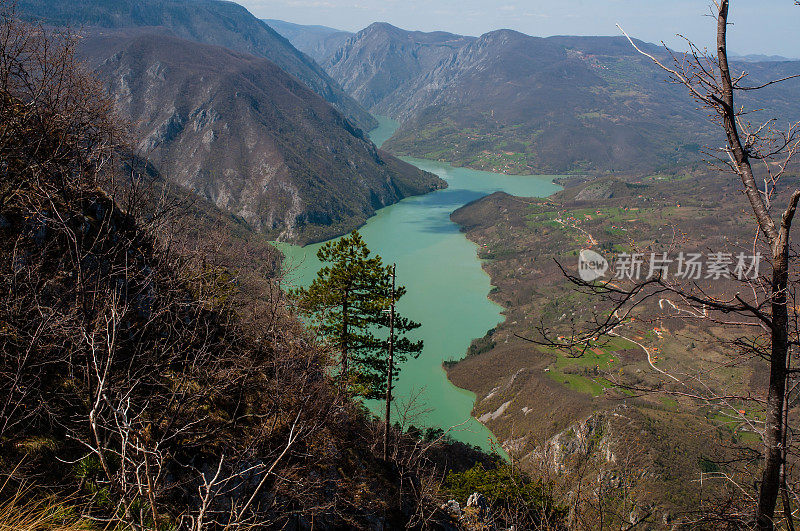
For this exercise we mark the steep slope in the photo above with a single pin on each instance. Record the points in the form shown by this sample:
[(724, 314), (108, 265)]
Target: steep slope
[(545, 403), (317, 41), (378, 65), (208, 21), (518, 103), (242, 133), (515, 103), (137, 358)]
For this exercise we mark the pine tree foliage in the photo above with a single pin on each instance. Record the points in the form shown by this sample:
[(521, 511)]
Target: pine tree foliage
[(349, 303)]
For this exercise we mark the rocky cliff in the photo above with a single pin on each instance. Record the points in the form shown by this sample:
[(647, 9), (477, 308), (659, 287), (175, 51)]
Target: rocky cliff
[(250, 138), (514, 103), (381, 65), (318, 42), (214, 22)]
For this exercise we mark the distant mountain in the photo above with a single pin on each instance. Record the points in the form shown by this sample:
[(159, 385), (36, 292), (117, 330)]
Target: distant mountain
[(515, 103), (759, 58), (317, 41), (208, 21), (244, 134), (380, 64)]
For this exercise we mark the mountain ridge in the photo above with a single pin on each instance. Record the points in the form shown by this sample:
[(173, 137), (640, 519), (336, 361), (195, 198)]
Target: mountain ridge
[(214, 22), (314, 40), (387, 61), (514, 103), (247, 136)]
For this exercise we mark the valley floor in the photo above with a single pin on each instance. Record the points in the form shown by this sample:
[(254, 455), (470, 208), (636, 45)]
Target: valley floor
[(557, 412)]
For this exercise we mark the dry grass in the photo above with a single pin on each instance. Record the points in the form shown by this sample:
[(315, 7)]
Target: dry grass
[(25, 512)]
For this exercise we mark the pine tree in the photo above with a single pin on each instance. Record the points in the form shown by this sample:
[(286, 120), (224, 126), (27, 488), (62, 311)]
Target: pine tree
[(396, 348), (350, 302)]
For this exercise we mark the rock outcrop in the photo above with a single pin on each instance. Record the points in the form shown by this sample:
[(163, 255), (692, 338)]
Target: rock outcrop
[(213, 22), (248, 137)]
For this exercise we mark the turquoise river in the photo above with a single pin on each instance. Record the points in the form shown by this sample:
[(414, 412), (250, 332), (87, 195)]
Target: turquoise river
[(447, 288)]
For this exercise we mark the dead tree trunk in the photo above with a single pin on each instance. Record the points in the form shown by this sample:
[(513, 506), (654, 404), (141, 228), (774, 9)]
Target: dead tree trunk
[(710, 82), (778, 239), (776, 399)]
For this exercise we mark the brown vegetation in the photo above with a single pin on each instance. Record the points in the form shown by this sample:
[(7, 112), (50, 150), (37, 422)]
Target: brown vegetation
[(150, 368)]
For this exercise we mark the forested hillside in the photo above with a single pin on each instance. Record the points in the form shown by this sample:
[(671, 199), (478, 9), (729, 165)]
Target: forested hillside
[(245, 132), (214, 22), (509, 102), (153, 374)]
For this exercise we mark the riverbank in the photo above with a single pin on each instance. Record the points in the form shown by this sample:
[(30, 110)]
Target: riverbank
[(535, 398), (447, 288)]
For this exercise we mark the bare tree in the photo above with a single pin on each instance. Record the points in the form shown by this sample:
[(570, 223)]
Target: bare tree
[(710, 81), (764, 308), (148, 360)]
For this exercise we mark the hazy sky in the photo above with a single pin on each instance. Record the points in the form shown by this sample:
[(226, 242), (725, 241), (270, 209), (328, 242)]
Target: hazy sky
[(760, 26)]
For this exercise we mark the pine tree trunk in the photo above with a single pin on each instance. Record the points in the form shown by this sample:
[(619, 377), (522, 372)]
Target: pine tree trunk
[(345, 309), (389, 376)]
